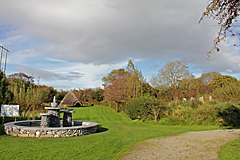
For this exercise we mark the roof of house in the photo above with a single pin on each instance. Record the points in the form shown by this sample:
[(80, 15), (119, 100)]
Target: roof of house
[(70, 100)]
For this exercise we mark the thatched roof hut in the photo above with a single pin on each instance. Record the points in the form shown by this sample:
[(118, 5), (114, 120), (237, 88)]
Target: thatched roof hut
[(70, 100)]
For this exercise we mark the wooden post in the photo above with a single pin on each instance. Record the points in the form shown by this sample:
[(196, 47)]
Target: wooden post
[(5, 61), (2, 120), (1, 57)]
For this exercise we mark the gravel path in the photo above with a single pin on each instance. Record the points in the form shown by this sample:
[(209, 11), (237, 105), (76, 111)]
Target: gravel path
[(191, 145)]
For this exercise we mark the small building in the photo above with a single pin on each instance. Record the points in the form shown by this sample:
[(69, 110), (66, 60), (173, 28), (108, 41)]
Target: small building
[(70, 100)]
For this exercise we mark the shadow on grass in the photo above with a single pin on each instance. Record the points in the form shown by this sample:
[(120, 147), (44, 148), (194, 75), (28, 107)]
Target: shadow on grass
[(86, 106), (72, 108), (101, 129), (2, 130), (230, 127)]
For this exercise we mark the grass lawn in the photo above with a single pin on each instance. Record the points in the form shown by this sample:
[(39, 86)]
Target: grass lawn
[(230, 151), (116, 134)]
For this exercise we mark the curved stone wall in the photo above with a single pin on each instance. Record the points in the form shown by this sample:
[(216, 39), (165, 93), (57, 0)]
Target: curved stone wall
[(33, 129)]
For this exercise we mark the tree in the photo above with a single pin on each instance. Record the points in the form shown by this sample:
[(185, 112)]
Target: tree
[(208, 77), (5, 94), (228, 93), (137, 107), (165, 94), (25, 93), (222, 80), (226, 13), (175, 94), (188, 87), (114, 74), (171, 74), (226, 88), (204, 89), (117, 91), (135, 81), (156, 106)]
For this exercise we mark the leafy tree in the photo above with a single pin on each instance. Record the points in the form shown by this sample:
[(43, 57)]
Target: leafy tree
[(188, 87), (227, 93), (117, 91), (135, 81), (137, 107), (222, 80), (226, 88), (97, 94), (60, 95), (156, 106), (114, 74), (226, 12), (25, 93), (146, 107), (208, 77), (165, 94), (171, 74), (205, 89), (5, 94), (175, 94), (90, 95)]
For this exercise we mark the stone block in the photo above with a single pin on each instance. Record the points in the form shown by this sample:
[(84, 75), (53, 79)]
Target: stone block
[(57, 136), (44, 132), (48, 135), (31, 135), (38, 134), (23, 135)]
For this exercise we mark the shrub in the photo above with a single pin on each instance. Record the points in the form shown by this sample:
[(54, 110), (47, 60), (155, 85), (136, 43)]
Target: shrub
[(229, 92), (136, 107), (148, 107), (213, 102), (230, 115)]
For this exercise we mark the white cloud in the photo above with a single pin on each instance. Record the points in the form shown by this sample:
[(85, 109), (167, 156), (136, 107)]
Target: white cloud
[(85, 39), (55, 60), (106, 31), (72, 75)]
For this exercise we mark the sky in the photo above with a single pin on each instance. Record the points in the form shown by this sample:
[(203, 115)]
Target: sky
[(74, 43)]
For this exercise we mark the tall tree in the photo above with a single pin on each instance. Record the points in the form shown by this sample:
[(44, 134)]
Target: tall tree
[(226, 12), (222, 80), (25, 92), (5, 94), (171, 74), (204, 89), (188, 87), (208, 77), (114, 74), (117, 92), (135, 81)]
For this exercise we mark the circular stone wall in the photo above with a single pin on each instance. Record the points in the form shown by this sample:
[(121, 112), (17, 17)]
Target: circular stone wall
[(33, 129)]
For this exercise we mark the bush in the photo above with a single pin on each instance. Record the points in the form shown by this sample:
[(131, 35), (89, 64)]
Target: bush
[(212, 102), (148, 107), (230, 115), (229, 92), (202, 115), (192, 103), (137, 107)]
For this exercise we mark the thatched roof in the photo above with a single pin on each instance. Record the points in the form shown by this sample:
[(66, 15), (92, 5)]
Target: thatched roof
[(70, 100)]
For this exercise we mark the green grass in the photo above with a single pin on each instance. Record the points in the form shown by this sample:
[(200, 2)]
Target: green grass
[(230, 151), (116, 134)]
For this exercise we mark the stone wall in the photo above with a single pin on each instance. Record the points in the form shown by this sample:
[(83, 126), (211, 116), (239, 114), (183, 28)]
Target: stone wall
[(23, 129)]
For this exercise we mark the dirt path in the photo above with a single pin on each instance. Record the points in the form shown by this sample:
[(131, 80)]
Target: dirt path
[(192, 145)]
